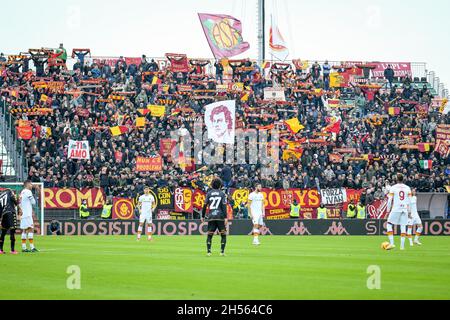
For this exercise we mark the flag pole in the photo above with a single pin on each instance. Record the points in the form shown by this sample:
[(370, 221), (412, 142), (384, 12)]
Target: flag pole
[(261, 30)]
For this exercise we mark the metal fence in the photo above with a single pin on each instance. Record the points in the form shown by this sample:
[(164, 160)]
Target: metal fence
[(14, 165)]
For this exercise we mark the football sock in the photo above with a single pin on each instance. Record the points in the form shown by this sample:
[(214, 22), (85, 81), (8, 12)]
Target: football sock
[(12, 237), (139, 232), (255, 234), (30, 240), (418, 233), (223, 243), (2, 239), (24, 240), (390, 234), (402, 236), (208, 242), (149, 232), (409, 233)]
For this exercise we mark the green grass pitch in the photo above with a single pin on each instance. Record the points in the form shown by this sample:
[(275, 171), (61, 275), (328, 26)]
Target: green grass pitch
[(118, 267)]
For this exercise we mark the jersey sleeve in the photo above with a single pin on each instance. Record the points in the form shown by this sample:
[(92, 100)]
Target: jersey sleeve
[(250, 197), (31, 197)]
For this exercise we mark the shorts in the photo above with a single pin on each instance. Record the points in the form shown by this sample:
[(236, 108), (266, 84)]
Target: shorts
[(258, 219), (415, 220), (9, 221), (26, 222), (214, 225), (145, 216), (398, 218)]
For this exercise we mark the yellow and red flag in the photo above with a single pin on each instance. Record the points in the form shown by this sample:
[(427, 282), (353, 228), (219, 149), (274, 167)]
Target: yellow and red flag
[(293, 125), (118, 130)]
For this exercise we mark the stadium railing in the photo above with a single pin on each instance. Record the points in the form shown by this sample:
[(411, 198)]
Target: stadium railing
[(14, 166)]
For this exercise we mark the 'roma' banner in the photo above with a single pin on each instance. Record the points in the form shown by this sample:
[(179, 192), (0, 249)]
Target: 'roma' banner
[(122, 209), (224, 34), (333, 196), (78, 150), (183, 200), (148, 164), (178, 62), (70, 198)]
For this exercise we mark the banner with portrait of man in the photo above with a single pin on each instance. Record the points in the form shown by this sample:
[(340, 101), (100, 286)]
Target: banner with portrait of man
[(220, 121)]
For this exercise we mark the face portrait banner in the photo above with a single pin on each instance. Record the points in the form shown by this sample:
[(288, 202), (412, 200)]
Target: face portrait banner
[(220, 121)]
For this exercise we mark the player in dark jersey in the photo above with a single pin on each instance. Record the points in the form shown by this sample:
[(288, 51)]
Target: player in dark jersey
[(8, 205), (216, 202)]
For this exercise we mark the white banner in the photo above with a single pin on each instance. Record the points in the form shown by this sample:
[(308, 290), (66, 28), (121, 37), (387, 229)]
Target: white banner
[(220, 121), (78, 150), (275, 94), (333, 196)]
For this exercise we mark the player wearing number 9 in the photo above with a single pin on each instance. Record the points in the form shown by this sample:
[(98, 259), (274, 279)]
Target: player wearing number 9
[(216, 202), (399, 203)]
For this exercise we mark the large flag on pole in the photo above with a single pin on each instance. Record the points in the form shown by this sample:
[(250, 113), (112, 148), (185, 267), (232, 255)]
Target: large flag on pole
[(224, 34), (278, 48)]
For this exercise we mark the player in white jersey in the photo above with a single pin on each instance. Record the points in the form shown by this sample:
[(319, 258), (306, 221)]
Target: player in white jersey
[(256, 209), (145, 205), (414, 221), (26, 203), (399, 200)]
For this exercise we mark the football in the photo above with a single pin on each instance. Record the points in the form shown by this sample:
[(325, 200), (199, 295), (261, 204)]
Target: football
[(385, 245)]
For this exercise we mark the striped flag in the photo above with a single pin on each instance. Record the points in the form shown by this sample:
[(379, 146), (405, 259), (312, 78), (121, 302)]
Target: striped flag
[(426, 164), (118, 130), (424, 147), (156, 80), (394, 111)]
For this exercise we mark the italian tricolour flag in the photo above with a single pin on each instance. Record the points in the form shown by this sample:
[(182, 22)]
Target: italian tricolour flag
[(426, 164)]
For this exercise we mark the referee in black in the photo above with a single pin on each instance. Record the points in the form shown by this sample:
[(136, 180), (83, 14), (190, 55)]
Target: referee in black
[(8, 204), (216, 201)]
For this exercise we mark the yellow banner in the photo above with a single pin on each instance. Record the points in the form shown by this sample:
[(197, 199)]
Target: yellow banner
[(156, 111)]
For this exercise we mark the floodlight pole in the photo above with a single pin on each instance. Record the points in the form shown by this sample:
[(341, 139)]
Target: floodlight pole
[(261, 31)]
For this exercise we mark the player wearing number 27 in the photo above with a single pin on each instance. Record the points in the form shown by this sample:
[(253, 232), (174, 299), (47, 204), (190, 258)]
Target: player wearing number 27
[(399, 208), (216, 202)]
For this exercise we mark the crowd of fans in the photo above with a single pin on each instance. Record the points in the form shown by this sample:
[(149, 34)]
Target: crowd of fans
[(366, 127)]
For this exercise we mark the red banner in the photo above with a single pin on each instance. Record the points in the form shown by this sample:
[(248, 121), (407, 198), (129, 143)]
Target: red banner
[(183, 200), (166, 146), (198, 200), (378, 209), (70, 198), (25, 133), (136, 61), (401, 69), (178, 62), (149, 164), (122, 209), (278, 202)]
